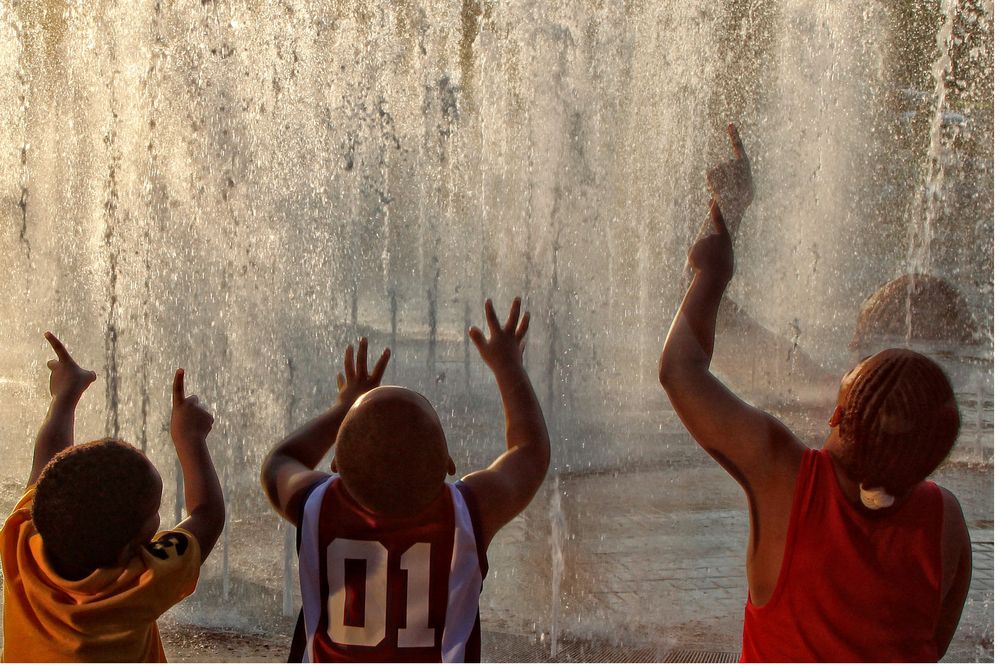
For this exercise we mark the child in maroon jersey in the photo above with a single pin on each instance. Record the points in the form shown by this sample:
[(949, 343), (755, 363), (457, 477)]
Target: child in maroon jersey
[(391, 558), (853, 555)]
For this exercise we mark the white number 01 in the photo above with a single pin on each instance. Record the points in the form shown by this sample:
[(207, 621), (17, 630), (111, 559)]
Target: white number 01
[(417, 563)]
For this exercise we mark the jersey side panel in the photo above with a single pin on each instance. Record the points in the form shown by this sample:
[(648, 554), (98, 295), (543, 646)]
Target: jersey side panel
[(309, 566), (466, 585)]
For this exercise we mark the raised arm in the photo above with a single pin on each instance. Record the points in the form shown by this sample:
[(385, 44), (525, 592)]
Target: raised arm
[(750, 444), (190, 424), (509, 484), (67, 383), (289, 470), (731, 182)]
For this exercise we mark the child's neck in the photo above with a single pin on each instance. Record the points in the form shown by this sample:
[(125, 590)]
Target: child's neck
[(68, 571), (852, 490)]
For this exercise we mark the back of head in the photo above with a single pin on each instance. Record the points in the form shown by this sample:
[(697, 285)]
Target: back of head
[(391, 451), (900, 420), (92, 500)]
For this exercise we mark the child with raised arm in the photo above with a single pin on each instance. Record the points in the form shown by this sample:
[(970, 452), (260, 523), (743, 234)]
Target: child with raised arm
[(391, 558), (853, 555), (85, 572)]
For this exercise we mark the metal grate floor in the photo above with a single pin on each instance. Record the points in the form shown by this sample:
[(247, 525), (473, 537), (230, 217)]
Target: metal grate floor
[(701, 656), (503, 647)]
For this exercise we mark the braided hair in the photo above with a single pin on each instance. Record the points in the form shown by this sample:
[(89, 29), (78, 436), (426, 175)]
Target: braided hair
[(899, 422), (92, 500)]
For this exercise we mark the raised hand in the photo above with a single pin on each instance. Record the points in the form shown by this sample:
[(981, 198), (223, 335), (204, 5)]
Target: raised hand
[(712, 255), (356, 380), (67, 379), (508, 485), (190, 421), (190, 424), (289, 471), (67, 382), (731, 182), (505, 346)]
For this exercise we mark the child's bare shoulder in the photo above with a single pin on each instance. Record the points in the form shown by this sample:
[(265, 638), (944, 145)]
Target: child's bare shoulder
[(953, 519), (956, 543)]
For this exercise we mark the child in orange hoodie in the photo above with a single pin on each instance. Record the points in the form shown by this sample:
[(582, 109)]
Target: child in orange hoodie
[(86, 574)]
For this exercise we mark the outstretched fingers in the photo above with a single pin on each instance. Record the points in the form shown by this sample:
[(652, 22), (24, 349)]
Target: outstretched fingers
[(516, 324), (380, 366), (491, 318), (478, 339), (362, 359), (522, 328), (356, 375), (349, 364), (515, 313), (502, 347)]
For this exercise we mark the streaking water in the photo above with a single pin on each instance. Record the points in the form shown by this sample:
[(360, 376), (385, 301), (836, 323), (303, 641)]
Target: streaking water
[(242, 188)]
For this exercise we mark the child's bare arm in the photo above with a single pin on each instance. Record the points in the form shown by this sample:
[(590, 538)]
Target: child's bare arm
[(289, 470), (746, 441), (956, 570), (67, 383), (508, 485), (731, 182), (190, 424)]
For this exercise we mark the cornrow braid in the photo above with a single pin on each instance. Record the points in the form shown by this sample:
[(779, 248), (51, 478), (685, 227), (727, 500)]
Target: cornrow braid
[(900, 421)]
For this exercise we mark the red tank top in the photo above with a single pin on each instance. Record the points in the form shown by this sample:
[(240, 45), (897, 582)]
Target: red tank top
[(852, 587)]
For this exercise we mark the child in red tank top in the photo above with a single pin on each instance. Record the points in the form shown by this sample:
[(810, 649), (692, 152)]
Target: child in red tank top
[(853, 556)]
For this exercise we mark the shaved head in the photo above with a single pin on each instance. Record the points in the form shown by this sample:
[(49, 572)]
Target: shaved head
[(391, 451)]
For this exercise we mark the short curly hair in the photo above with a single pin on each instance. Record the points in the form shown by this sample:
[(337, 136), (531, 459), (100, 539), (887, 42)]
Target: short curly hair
[(900, 421), (92, 500)]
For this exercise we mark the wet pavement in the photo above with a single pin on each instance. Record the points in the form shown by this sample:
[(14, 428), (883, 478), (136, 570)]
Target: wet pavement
[(649, 568)]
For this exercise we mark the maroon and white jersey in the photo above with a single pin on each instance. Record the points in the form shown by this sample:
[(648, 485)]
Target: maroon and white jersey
[(387, 589)]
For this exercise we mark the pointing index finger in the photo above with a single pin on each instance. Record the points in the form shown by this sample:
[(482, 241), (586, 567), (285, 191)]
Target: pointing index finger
[(57, 345), (179, 387), (736, 141)]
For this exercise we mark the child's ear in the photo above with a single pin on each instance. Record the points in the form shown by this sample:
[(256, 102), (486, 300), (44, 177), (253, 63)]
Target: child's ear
[(130, 550), (838, 414), (451, 466)]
